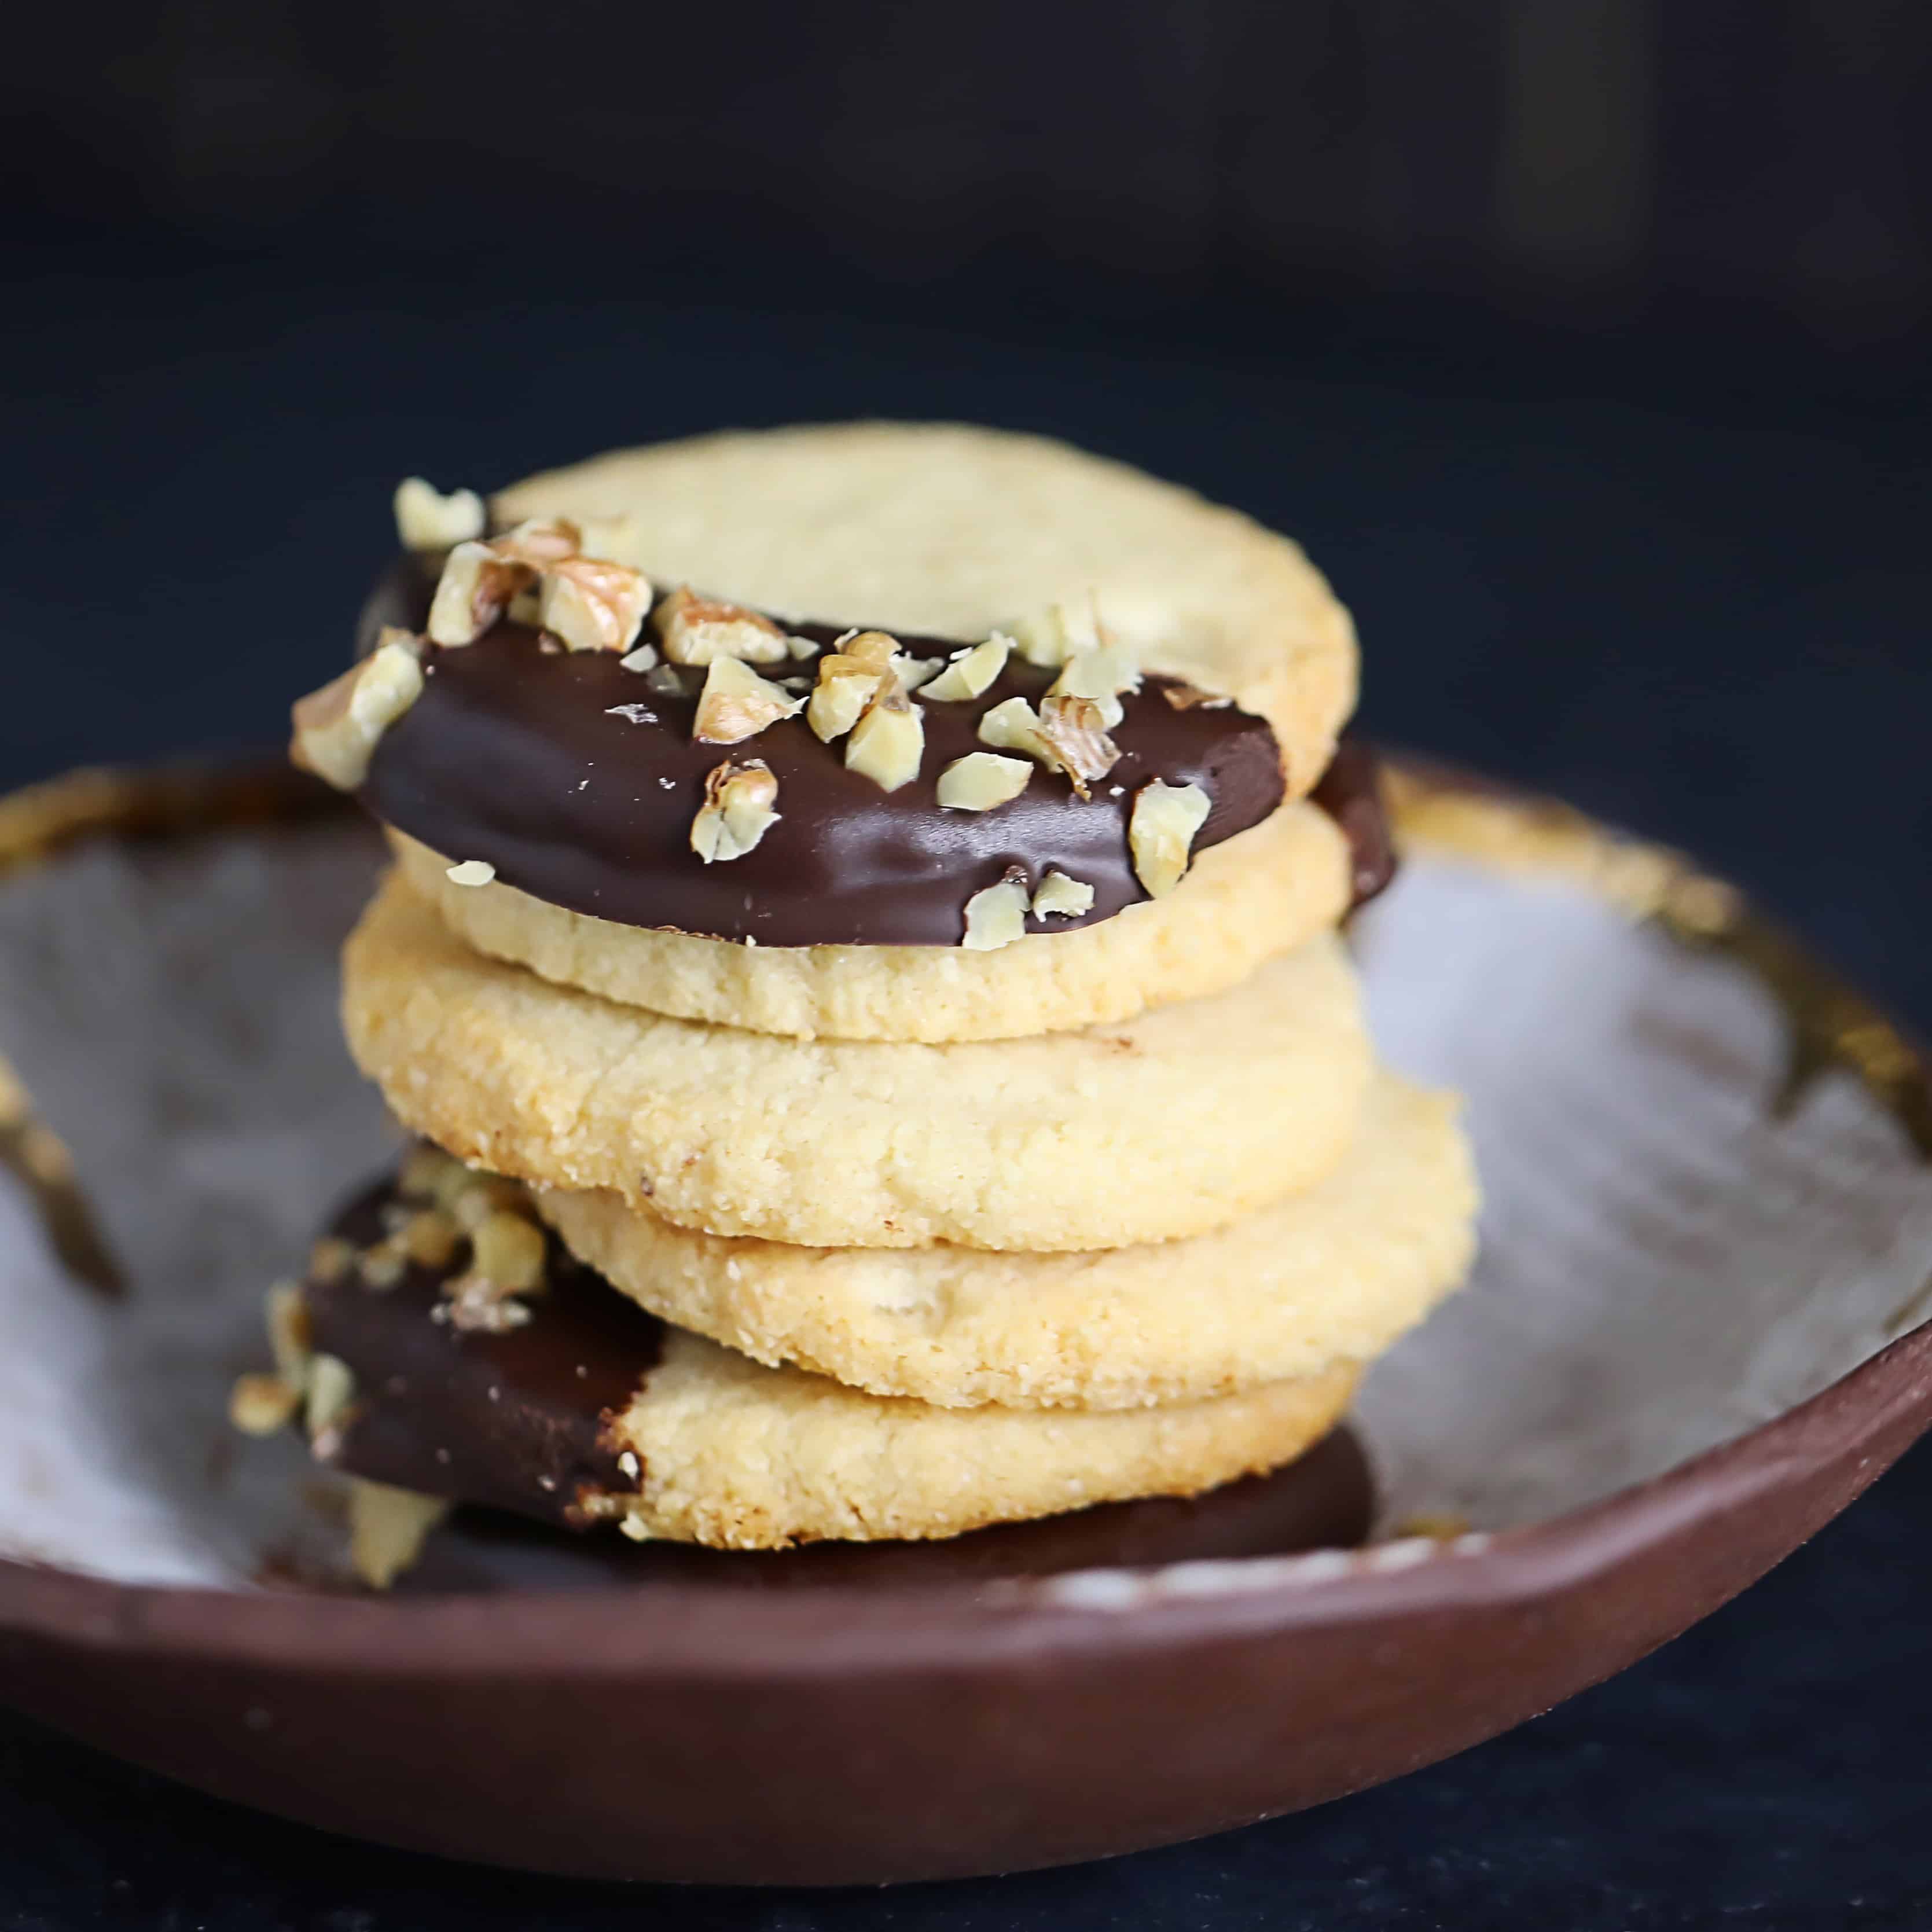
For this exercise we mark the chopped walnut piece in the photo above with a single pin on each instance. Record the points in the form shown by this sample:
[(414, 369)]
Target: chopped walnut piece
[(507, 1251), (1185, 697), (739, 808), (594, 605), (696, 630), (837, 701), (801, 648), (424, 1169), (644, 657), (429, 1237), (330, 1259), (1076, 740), (981, 780), (387, 1528), (260, 1405), (737, 703), (473, 1303), (997, 916), (1051, 636), (1062, 897), (482, 1195), (970, 672), (1160, 834), (474, 590), (539, 544), (1014, 726), (291, 1336), (848, 680), (382, 1266), (470, 872), (1102, 674), (428, 520), (331, 1388), (888, 740), (338, 728)]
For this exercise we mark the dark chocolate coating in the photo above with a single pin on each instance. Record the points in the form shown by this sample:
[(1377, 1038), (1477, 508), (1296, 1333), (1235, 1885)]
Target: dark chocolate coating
[(1350, 791), (513, 756), (1324, 1499), (519, 1419)]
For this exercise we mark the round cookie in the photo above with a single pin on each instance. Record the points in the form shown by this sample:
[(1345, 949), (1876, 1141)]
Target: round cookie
[(1173, 1122), (1335, 1272), (743, 1456), (949, 530), (564, 1402), (1265, 892)]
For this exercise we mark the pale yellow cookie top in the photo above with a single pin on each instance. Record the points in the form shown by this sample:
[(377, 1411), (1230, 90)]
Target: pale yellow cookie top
[(951, 530)]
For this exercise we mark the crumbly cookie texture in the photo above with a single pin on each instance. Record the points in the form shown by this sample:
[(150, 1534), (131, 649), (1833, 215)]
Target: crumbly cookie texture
[(1265, 892), (742, 1456), (1169, 1124), (1336, 1273), (945, 530)]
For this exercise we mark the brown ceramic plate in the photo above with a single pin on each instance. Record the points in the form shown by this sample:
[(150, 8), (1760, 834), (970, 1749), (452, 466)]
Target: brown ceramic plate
[(1708, 1214)]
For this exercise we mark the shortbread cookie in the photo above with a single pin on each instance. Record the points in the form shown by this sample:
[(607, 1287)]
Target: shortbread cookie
[(565, 1401), (1168, 1124), (1335, 1272), (1266, 892), (951, 531), (616, 743)]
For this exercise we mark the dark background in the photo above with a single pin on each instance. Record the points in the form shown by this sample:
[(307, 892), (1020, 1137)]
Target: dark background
[(1582, 341)]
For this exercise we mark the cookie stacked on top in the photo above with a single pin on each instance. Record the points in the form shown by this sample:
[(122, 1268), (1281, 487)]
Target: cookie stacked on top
[(862, 959)]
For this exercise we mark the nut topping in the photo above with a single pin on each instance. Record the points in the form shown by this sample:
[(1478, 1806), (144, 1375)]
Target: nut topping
[(1075, 737), (739, 808), (474, 590), (387, 1527), (592, 605), (696, 630), (848, 679), (737, 703), (331, 1388), (1061, 897), (290, 1339), (888, 740), (1051, 636), (507, 1250), (1160, 834), (1014, 726), (1102, 674), (1182, 696), (260, 1405), (969, 672), (338, 728), (428, 520), (540, 544), (981, 780), (997, 916), (470, 872)]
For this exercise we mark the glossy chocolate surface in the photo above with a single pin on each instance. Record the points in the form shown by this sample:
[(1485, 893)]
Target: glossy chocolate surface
[(578, 780), (517, 1419), (1350, 791)]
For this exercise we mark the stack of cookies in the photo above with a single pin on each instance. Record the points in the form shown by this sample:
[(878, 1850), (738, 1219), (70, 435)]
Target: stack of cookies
[(862, 963)]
